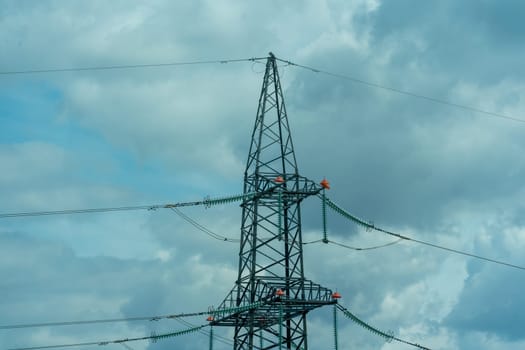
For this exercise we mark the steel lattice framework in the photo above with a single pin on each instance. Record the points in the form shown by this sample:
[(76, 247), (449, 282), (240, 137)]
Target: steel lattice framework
[(271, 270)]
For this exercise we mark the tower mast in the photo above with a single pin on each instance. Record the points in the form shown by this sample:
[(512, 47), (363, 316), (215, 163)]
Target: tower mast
[(271, 270)]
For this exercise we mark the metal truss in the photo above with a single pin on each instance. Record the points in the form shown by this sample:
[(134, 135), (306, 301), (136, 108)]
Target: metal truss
[(271, 270)]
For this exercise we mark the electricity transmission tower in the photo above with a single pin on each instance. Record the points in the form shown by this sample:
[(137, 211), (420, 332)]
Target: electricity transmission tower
[(271, 282)]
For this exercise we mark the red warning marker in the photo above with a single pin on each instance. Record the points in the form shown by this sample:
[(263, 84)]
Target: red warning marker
[(336, 295), (325, 184), (279, 180)]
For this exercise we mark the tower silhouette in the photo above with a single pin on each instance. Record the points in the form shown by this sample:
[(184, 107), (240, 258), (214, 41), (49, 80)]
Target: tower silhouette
[(271, 281)]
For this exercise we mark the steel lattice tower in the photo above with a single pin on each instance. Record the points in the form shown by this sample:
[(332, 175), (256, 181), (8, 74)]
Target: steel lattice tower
[(271, 270)]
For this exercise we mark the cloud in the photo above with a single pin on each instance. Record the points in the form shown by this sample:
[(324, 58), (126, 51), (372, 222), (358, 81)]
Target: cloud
[(75, 288), (158, 135)]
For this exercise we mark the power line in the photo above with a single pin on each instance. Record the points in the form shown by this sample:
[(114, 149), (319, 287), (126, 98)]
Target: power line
[(389, 336), (110, 320), (140, 318), (411, 343), (80, 211), (209, 232), (129, 66), (116, 341), (256, 59), (452, 250), (217, 337), (365, 248), (403, 92), (327, 241), (176, 317), (371, 226), (100, 210), (204, 229), (207, 202), (220, 311)]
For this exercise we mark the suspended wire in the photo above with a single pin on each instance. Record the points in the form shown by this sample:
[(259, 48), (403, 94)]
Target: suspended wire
[(328, 241), (256, 59), (140, 318), (96, 210), (207, 202), (229, 199), (217, 337), (371, 226), (58, 346), (111, 320), (130, 66), (116, 341), (200, 328), (403, 92), (365, 248), (389, 336), (456, 251), (209, 232), (221, 312), (410, 343), (313, 242), (204, 229), (78, 211)]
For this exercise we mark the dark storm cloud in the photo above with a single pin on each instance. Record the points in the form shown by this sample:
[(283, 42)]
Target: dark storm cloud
[(414, 155), (476, 40), (491, 303)]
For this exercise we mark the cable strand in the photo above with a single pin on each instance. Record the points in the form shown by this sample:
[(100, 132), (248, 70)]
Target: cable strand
[(140, 318), (130, 66), (403, 92), (371, 226), (206, 202), (204, 229), (366, 248), (388, 336), (117, 341)]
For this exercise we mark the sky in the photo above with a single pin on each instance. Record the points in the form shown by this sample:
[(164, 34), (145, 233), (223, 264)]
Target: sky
[(111, 138)]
